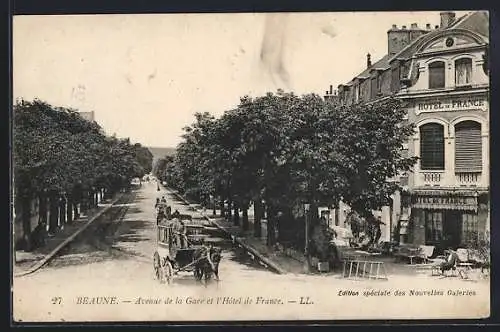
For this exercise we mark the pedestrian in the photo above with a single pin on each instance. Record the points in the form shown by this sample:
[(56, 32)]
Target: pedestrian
[(377, 231), (163, 200)]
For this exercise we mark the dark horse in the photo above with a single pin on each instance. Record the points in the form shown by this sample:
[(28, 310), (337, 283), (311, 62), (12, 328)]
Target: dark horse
[(207, 263)]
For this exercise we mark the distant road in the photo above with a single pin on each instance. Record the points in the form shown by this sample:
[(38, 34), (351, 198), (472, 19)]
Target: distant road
[(159, 152)]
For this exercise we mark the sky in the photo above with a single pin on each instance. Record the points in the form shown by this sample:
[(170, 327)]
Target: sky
[(146, 75)]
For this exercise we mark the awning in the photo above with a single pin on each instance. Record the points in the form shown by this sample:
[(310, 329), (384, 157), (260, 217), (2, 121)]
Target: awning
[(445, 200), (433, 206)]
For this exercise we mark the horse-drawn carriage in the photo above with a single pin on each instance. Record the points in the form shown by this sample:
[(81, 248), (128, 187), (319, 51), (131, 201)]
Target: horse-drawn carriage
[(184, 251)]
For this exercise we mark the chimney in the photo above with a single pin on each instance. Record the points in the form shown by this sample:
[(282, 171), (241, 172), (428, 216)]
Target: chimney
[(428, 26), (368, 60), (414, 26), (394, 27), (447, 19), (331, 89)]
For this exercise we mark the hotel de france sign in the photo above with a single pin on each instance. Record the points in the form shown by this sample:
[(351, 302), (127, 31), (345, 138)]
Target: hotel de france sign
[(451, 104)]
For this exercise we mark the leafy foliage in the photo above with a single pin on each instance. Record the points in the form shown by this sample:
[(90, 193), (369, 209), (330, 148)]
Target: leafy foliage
[(289, 150), (54, 149)]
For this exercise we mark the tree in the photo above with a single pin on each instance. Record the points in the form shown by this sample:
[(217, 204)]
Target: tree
[(369, 144), (58, 154), (288, 150)]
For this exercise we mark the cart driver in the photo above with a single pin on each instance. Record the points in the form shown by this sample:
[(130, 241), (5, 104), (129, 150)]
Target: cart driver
[(179, 231), (183, 234)]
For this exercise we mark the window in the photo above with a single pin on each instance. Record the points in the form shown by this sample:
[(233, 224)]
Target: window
[(468, 147), (463, 71), (356, 93), (433, 225), (432, 147), (395, 77), (374, 87), (470, 229), (436, 75)]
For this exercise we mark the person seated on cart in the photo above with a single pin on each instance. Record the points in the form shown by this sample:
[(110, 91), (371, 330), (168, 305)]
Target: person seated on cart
[(179, 232), (176, 214), (161, 212)]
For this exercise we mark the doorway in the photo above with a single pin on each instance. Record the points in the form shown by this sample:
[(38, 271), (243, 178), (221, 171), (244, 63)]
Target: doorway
[(452, 228)]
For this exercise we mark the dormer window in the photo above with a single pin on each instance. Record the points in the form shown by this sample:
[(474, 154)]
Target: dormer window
[(463, 71), (436, 75)]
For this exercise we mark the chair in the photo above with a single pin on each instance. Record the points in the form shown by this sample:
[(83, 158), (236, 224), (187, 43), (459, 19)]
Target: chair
[(464, 266), (426, 252), (408, 252)]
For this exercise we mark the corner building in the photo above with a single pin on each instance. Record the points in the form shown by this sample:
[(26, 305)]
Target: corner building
[(442, 75)]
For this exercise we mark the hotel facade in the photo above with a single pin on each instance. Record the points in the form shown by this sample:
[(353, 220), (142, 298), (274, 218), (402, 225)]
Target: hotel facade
[(442, 76)]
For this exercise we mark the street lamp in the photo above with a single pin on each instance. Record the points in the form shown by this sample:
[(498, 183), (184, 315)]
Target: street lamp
[(306, 247)]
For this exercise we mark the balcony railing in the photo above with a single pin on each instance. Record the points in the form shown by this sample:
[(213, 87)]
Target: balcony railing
[(432, 178), (442, 179), (468, 178)]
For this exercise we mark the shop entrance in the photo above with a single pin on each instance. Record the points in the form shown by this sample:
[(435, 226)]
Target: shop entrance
[(452, 228), (443, 228)]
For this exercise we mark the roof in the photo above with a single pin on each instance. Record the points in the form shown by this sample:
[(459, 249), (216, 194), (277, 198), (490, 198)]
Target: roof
[(475, 21), (381, 64)]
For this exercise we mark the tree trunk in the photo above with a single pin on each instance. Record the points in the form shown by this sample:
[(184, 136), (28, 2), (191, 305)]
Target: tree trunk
[(69, 210), (26, 221), (236, 217), (257, 212), (76, 213), (271, 219), (245, 217), (62, 211), (42, 211), (53, 212), (222, 207), (229, 216)]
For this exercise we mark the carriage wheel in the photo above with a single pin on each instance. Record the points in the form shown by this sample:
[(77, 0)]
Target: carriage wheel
[(156, 265), (168, 271)]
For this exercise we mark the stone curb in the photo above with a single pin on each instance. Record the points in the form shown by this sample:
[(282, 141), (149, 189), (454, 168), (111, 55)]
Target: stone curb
[(51, 255), (270, 264)]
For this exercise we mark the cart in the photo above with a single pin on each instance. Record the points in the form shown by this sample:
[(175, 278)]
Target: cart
[(172, 255)]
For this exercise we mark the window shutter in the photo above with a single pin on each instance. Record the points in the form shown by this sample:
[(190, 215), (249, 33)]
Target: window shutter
[(468, 147)]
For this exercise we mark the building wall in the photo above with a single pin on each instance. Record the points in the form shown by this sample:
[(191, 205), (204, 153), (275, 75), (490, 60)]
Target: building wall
[(447, 106)]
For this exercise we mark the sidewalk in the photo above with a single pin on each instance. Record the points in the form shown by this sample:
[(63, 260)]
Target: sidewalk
[(27, 261), (286, 262)]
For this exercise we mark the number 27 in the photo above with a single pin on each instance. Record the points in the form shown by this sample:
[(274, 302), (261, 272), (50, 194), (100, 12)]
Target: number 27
[(56, 300)]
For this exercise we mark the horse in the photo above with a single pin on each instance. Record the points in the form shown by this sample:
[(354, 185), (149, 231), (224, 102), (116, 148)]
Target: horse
[(207, 263)]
